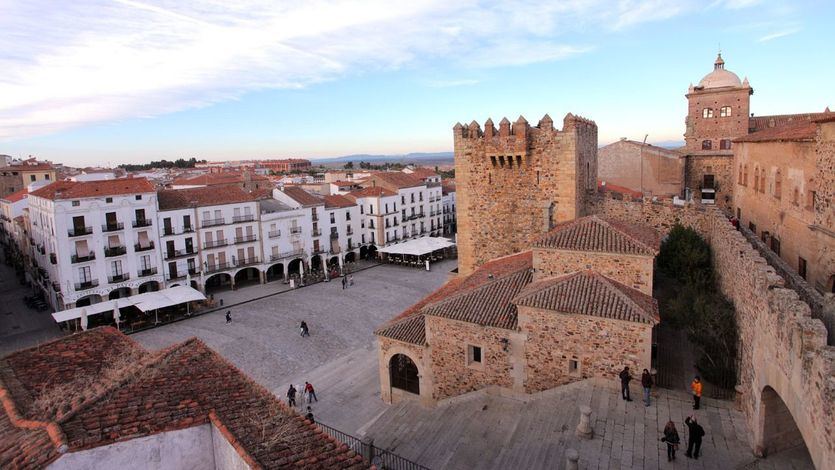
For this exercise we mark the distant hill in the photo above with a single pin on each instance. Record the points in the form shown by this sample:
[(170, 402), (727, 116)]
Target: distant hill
[(409, 157)]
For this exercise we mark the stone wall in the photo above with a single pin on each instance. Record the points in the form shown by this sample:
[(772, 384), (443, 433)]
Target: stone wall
[(643, 168), (602, 347), (716, 128), (780, 346), (720, 166), (517, 181), (386, 348), (633, 271), (824, 224)]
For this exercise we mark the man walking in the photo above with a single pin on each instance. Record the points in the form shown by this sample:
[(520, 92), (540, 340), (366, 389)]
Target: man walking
[(344, 282), (694, 438), (309, 415), (625, 377), (696, 387), (311, 394), (291, 396), (228, 316), (303, 330), (646, 384)]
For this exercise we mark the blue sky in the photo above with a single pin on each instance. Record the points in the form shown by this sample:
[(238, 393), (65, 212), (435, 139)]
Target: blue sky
[(127, 81)]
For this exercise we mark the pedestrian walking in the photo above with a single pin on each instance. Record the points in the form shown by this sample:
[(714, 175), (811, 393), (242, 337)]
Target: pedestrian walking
[(228, 316), (696, 387), (344, 282), (351, 280), (291, 395), (671, 439), (311, 394), (625, 377), (303, 329), (309, 415), (646, 383), (695, 432)]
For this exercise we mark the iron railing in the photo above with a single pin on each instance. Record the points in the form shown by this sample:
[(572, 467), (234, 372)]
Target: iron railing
[(79, 231), (112, 227), (115, 251), (381, 458), (243, 218), (142, 223)]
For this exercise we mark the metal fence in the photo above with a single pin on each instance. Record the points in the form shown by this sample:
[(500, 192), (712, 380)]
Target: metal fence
[(381, 458)]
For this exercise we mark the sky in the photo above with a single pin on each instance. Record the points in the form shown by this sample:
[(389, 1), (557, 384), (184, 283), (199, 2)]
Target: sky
[(124, 81)]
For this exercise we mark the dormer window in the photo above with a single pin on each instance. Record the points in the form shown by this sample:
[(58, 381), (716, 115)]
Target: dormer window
[(707, 113), (725, 111)]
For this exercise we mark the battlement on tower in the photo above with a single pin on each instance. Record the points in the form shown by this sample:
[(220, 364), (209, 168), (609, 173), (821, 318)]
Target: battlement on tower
[(515, 181)]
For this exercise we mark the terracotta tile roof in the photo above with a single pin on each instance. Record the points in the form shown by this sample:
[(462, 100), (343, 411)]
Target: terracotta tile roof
[(759, 123), (170, 199), (371, 191), (82, 189), (594, 233), (408, 325), (17, 195), (448, 186), (590, 293), (213, 179), (34, 165), (301, 196), (800, 131), (396, 179), (338, 201), (423, 173), (180, 387), (343, 183), (609, 187)]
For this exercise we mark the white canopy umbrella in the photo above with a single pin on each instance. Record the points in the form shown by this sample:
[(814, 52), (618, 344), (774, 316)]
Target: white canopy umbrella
[(117, 315), (84, 319)]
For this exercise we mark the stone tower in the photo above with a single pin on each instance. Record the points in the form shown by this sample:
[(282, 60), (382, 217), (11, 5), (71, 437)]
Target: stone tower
[(717, 113), (516, 182)]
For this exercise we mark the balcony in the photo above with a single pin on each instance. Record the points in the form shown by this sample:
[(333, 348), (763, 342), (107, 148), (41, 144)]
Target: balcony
[(214, 244), (113, 227), (53, 258), (350, 231), (287, 255), (79, 231), (178, 275), (146, 272), (86, 284), (334, 236), (243, 218), (213, 222), (318, 251), (246, 239), (141, 223), (118, 278), (247, 261), (139, 247), (315, 217), (179, 253), (217, 267), (82, 259), (115, 251), (298, 231), (274, 233), (187, 229)]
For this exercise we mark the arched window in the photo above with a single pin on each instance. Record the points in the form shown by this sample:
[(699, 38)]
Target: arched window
[(778, 185), (739, 175), (707, 145), (796, 196), (725, 111), (756, 179), (404, 374), (762, 180), (707, 113), (745, 175)]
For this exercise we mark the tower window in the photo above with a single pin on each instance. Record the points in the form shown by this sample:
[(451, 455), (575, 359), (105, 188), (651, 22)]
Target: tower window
[(707, 145), (473, 355), (725, 144), (707, 113), (725, 111)]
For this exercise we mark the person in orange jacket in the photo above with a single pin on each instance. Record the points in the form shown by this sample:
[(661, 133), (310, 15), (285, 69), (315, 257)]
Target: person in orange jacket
[(696, 387)]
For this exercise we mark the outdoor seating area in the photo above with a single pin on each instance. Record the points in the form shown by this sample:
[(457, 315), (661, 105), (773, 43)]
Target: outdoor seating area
[(416, 253)]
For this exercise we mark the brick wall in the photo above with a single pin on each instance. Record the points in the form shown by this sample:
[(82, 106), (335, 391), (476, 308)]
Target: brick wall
[(633, 271), (602, 347), (514, 180)]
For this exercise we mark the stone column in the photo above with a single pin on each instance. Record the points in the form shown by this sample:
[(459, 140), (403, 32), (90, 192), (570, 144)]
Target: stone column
[(263, 276), (572, 459), (584, 429)]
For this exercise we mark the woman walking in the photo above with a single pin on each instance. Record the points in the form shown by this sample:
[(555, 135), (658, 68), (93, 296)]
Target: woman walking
[(671, 439)]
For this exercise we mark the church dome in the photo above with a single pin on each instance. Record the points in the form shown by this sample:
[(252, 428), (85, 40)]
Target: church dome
[(720, 77)]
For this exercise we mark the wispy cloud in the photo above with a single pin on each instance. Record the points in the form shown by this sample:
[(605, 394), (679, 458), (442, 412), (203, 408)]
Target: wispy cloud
[(74, 63), (734, 4), (779, 34), (451, 83)]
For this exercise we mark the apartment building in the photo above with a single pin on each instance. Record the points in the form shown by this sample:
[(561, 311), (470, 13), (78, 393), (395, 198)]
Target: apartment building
[(11, 206), (419, 205), (93, 241), (343, 224), (282, 229), (448, 208), (378, 218)]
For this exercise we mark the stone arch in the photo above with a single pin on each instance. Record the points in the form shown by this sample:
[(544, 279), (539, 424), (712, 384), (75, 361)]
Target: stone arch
[(275, 272), (333, 262), (363, 252), (404, 373), (372, 252), (350, 257), (778, 430), (119, 293), (295, 266), (247, 276), (218, 281), (316, 263), (88, 300), (150, 286)]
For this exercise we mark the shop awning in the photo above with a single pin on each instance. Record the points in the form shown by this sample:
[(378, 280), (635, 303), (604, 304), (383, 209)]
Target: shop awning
[(418, 246), (145, 302)]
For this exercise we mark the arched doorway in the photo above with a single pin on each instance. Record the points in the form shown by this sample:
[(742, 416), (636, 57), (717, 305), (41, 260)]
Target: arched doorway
[(295, 266), (150, 286), (403, 374), (119, 293), (275, 272), (333, 263), (363, 252), (350, 257), (316, 263), (372, 252), (778, 429), (217, 282), (88, 300), (247, 277)]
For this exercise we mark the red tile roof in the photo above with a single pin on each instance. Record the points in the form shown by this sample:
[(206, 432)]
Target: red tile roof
[(594, 233), (371, 191), (82, 189), (213, 179), (799, 131), (17, 195), (759, 123), (34, 165), (303, 197), (448, 186), (395, 179), (183, 386), (171, 199), (338, 201), (590, 293), (609, 187), (423, 173)]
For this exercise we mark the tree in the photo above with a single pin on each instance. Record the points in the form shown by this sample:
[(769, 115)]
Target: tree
[(348, 166)]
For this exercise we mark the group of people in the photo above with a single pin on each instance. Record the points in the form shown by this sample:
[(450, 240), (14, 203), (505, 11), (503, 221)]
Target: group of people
[(695, 431), (308, 395)]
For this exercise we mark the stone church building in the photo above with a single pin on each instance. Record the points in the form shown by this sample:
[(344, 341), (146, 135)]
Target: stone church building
[(576, 305)]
